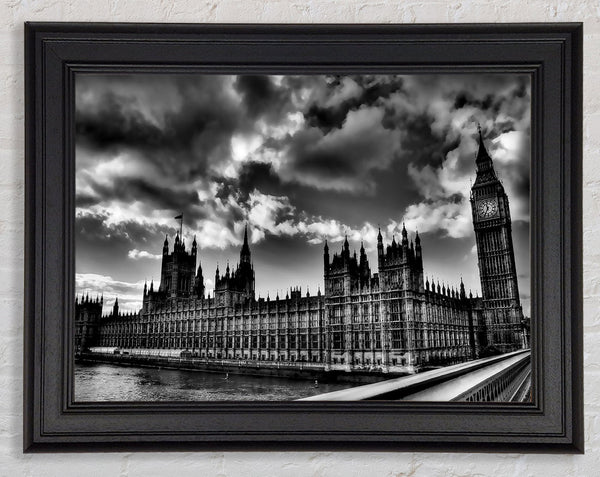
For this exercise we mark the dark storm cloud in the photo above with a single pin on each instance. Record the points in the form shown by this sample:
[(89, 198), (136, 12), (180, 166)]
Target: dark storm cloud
[(256, 175), (129, 189), (344, 158), (95, 228), (116, 123), (261, 96), (181, 125), (84, 200), (368, 92), (465, 98), (419, 142), (326, 118), (521, 183), (252, 175)]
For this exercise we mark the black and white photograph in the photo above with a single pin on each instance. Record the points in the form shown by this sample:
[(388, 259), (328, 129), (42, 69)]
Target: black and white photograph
[(302, 237)]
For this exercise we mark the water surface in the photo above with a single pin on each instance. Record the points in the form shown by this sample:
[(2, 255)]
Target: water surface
[(106, 382)]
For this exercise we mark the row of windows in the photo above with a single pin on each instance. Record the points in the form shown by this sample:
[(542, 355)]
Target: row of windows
[(435, 316)]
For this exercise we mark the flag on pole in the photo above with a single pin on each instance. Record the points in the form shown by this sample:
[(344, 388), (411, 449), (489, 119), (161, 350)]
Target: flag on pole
[(180, 218)]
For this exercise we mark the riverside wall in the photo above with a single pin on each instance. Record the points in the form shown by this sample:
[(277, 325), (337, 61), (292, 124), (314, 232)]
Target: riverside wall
[(289, 370)]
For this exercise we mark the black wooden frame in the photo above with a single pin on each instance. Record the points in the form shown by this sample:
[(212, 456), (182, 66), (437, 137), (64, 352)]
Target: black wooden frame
[(551, 53)]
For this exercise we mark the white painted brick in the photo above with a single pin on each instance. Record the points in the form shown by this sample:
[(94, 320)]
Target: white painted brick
[(591, 127), (92, 465)]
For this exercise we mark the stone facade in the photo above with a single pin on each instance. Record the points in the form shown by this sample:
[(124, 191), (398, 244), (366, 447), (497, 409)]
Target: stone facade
[(87, 319)]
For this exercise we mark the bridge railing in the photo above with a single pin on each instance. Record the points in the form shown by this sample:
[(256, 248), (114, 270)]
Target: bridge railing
[(497, 382), (444, 384)]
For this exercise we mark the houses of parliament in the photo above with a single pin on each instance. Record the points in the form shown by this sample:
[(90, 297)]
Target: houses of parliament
[(391, 320)]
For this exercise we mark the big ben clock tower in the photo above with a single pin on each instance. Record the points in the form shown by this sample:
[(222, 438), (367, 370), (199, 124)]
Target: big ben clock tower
[(503, 314)]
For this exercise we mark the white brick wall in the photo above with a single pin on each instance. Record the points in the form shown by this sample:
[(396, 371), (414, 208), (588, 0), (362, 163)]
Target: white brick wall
[(274, 464)]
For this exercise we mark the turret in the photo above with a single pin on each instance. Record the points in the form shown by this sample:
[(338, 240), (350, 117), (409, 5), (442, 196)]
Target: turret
[(418, 251), (404, 236), (363, 267), (326, 258), (164, 267), (346, 248), (363, 255), (379, 249), (199, 283)]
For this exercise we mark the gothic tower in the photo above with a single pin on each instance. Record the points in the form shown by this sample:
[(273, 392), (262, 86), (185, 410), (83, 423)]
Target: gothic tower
[(503, 314), (237, 285), (87, 321), (400, 264), (177, 279)]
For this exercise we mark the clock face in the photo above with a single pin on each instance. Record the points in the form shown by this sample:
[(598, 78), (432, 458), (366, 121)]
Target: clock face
[(487, 208)]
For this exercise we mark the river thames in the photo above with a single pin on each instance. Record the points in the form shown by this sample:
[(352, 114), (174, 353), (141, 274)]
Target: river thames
[(105, 382)]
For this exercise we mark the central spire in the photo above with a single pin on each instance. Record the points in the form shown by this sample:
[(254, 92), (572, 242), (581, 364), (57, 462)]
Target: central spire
[(245, 252), (346, 248)]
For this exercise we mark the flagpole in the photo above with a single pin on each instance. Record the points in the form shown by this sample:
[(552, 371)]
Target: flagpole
[(180, 217)]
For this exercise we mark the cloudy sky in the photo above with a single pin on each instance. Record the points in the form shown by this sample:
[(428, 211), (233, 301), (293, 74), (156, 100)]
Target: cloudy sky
[(300, 159)]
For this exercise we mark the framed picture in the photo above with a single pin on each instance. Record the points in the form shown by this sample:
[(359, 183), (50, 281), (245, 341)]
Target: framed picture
[(325, 236)]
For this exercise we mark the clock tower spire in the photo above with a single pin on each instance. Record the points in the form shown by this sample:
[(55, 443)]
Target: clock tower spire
[(503, 314)]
